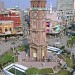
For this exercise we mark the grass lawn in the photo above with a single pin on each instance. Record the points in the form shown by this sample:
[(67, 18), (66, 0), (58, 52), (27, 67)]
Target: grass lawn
[(12, 70), (66, 58), (7, 58), (46, 71), (23, 47), (35, 71), (63, 72), (32, 71)]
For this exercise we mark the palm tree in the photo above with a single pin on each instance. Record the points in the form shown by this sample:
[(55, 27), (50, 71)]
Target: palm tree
[(70, 43), (1, 67)]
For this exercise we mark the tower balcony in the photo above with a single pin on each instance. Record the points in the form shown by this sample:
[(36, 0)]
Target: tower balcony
[(34, 8), (34, 29), (37, 30), (37, 8), (44, 8)]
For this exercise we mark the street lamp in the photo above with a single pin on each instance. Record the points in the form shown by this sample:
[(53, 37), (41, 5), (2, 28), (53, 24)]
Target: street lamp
[(14, 59)]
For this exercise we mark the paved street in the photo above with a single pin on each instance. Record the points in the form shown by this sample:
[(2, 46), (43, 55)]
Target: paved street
[(52, 41), (5, 46), (24, 60), (60, 42)]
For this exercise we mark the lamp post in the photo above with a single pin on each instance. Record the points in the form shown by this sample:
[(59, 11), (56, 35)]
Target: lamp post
[(14, 59)]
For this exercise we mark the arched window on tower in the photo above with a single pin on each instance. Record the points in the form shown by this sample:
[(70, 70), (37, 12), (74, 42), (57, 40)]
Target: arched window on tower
[(0, 30), (41, 6), (37, 6), (33, 5)]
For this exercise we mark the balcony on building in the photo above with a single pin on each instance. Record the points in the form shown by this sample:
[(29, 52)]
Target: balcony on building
[(47, 24), (47, 31)]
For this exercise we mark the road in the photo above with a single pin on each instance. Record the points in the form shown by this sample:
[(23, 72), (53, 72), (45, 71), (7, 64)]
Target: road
[(62, 42), (5, 46)]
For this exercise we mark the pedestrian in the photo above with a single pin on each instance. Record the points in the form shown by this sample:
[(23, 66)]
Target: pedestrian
[(43, 64), (57, 39)]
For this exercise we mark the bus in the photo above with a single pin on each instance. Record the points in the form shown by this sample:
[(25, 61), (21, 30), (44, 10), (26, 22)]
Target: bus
[(54, 49)]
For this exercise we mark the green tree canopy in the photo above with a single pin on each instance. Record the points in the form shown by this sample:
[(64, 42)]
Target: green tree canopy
[(71, 41)]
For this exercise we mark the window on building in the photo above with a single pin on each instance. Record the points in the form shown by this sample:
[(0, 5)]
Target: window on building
[(10, 29), (1, 19), (67, 16), (0, 29), (35, 23), (33, 5), (5, 15), (68, 13), (62, 12), (37, 5), (2, 15), (0, 23), (6, 29), (17, 22)]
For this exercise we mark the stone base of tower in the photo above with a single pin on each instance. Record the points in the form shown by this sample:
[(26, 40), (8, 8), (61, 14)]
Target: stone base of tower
[(38, 53)]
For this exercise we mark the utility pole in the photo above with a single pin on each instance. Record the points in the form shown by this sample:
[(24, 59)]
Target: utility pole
[(14, 53)]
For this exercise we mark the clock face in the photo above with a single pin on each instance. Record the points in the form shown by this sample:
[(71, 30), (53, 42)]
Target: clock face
[(43, 15), (35, 14)]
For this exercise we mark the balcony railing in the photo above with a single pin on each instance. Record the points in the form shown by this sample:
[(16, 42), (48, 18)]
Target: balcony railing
[(47, 30), (35, 8), (47, 24)]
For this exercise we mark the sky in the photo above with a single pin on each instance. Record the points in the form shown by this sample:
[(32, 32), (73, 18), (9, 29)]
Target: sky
[(24, 3)]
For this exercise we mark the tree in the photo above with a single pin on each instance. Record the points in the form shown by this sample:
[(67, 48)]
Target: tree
[(70, 43), (21, 47), (1, 66), (46, 71)]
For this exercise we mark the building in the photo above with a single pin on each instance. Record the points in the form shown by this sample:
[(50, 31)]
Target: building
[(6, 27), (11, 14), (18, 67), (65, 10), (15, 15), (4, 15), (74, 4), (38, 46), (53, 23)]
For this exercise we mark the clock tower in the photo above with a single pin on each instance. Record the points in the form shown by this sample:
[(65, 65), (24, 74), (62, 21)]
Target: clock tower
[(38, 45)]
